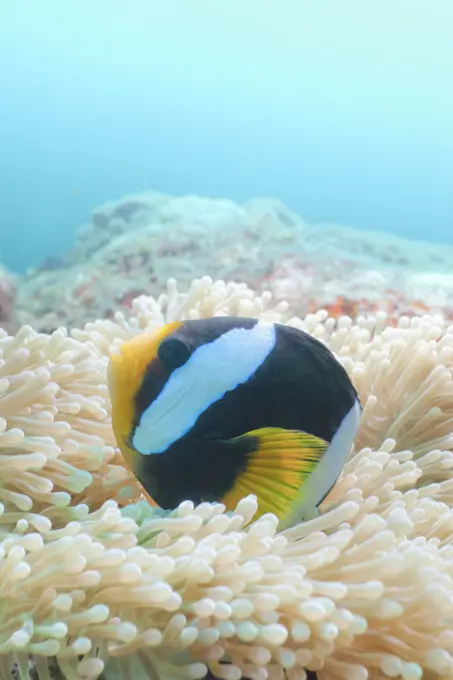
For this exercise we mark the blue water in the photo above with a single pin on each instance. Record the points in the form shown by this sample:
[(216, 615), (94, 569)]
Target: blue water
[(344, 110)]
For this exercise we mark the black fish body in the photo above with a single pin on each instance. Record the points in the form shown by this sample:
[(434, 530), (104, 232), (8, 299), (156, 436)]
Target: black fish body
[(214, 409)]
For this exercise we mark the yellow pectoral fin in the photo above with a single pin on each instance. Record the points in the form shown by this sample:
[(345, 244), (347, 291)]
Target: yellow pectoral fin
[(277, 469)]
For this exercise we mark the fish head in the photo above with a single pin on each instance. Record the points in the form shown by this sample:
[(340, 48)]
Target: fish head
[(162, 381)]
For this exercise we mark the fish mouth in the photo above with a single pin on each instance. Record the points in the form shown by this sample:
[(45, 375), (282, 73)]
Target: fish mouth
[(127, 441)]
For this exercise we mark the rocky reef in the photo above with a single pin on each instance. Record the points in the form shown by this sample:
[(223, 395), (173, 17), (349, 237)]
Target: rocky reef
[(134, 245)]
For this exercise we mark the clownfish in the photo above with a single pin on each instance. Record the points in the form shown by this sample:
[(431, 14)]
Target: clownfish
[(217, 409)]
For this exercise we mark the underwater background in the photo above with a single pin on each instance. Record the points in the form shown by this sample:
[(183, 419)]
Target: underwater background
[(287, 160), (342, 111)]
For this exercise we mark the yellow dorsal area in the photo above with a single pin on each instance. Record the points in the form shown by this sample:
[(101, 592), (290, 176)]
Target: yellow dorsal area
[(126, 370)]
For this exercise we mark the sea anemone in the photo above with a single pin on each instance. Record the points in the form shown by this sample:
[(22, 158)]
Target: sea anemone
[(97, 581)]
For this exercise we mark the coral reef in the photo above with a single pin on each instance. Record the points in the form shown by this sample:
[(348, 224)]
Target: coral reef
[(132, 245), (99, 582), (7, 297)]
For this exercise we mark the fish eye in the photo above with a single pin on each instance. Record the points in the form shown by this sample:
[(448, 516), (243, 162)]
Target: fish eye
[(173, 353)]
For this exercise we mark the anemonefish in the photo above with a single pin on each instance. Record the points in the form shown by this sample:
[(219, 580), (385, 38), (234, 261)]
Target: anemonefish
[(216, 409)]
